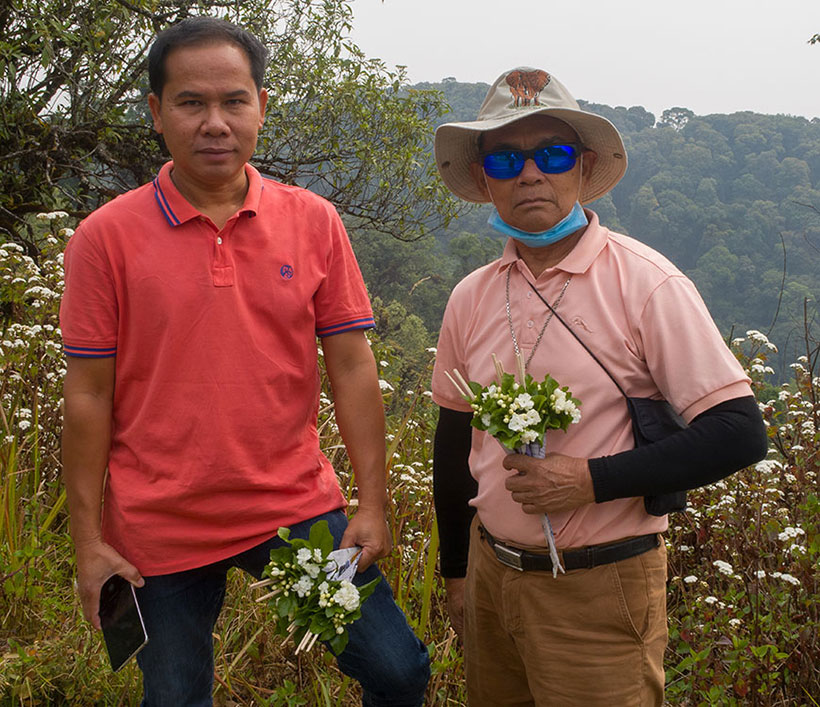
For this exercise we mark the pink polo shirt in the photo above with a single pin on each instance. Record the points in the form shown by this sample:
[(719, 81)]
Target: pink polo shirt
[(644, 320), (214, 442)]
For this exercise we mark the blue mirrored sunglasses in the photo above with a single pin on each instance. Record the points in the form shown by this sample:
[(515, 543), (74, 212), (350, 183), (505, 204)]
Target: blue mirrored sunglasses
[(552, 159)]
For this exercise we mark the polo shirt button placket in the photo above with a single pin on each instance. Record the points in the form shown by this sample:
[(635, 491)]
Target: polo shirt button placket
[(222, 269)]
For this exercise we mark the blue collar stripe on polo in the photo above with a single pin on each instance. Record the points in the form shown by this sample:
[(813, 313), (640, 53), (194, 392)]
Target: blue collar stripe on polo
[(164, 206)]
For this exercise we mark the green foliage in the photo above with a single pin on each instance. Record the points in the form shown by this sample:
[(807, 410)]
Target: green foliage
[(75, 129), (745, 585)]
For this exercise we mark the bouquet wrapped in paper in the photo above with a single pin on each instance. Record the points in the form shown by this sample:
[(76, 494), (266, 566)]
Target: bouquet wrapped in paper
[(311, 589), (518, 412)]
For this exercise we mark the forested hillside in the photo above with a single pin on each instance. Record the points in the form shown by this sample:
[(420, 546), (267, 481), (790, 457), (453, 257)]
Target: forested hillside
[(733, 200)]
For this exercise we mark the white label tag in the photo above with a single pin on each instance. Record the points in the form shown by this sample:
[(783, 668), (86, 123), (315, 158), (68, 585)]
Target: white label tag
[(342, 563)]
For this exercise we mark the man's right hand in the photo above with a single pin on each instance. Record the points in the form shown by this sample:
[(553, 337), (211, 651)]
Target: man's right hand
[(454, 586), (96, 562)]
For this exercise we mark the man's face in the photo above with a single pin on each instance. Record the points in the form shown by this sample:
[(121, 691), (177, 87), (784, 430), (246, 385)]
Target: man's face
[(209, 114), (533, 201)]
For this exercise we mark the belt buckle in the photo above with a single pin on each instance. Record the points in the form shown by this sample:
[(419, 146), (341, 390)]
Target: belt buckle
[(509, 556)]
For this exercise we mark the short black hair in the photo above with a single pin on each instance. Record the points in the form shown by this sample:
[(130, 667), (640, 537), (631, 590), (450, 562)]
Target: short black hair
[(203, 30)]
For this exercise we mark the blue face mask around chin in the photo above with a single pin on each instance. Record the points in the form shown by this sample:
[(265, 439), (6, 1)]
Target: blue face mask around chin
[(574, 220)]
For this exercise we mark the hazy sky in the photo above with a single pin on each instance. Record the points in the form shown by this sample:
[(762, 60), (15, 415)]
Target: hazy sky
[(711, 56)]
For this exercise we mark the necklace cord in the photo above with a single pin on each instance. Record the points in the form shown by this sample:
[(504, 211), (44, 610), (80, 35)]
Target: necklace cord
[(543, 328)]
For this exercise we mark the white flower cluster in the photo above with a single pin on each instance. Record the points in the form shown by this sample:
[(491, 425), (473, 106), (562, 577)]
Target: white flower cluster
[(561, 403), (347, 596), (724, 568), (791, 579), (789, 533)]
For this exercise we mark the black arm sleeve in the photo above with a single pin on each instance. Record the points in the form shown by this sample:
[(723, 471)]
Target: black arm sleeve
[(718, 442), (453, 487)]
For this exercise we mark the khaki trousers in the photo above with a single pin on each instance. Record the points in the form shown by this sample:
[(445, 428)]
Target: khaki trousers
[(588, 637)]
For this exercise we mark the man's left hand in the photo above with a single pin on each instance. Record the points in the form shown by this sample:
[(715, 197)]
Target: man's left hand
[(369, 530), (550, 485)]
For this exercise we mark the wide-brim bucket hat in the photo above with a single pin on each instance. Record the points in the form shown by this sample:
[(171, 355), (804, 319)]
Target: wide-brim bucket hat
[(516, 94)]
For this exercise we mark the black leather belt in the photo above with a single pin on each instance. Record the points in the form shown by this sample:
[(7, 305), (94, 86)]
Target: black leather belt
[(585, 558)]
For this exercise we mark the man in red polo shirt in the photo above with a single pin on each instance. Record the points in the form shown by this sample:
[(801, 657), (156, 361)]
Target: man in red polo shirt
[(595, 635), (190, 323)]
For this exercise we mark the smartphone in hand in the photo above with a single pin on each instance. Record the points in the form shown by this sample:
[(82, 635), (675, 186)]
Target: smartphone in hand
[(121, 621)]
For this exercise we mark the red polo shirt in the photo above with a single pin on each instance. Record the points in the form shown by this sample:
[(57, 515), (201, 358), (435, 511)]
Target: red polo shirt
[(214, 441)]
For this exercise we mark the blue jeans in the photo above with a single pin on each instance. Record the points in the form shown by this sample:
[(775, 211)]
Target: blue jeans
[(181, 609)]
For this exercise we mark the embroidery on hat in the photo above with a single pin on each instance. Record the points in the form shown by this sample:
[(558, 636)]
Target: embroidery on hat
[(526, 85)]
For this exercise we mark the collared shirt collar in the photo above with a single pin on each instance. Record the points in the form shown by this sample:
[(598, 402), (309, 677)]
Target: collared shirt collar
[(579, 259), (177, 209)]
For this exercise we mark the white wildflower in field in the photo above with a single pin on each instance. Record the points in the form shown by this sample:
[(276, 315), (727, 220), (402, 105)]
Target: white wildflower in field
[(384, 385), (711, 600), (789, 533), (724, 567), (690, 579), (735, 623)]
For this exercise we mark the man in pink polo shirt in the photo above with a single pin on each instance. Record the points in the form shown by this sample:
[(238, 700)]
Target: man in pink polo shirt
[(190, 322), (624, 316)]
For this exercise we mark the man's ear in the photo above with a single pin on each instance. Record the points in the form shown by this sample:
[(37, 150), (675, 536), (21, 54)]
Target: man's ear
[(588, 164), (477, 172), (153, 104), (263, 102)]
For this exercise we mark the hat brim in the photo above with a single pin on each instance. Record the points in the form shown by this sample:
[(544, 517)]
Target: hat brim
[(456, 147)]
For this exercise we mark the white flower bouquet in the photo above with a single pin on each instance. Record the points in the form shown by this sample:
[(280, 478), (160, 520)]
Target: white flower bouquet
[(311, 590), (518, 414)]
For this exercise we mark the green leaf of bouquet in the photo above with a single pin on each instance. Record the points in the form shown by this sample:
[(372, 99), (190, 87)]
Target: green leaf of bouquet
[(338, 642), (280, 555), (284, 533), (320, 537), (318, 624), (367, 589), (286, 606)]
